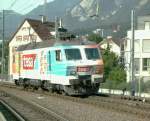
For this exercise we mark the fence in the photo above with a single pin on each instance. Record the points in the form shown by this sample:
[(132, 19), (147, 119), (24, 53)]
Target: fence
[(5, 77), (120, 92)]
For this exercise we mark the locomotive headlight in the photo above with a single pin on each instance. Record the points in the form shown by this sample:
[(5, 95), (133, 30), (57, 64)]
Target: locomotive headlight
[(71, 70), (98, 69)]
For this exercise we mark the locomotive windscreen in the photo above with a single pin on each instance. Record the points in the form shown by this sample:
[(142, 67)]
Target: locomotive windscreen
[(92, 53), (73, 54)]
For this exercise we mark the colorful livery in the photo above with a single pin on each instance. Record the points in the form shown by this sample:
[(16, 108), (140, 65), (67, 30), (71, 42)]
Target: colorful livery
[(74, 69)]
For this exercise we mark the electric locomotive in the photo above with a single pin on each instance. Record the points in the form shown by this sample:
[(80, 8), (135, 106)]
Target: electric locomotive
[(73, 68)]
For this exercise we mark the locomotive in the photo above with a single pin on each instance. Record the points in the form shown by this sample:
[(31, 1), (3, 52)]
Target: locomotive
[(73, 68)]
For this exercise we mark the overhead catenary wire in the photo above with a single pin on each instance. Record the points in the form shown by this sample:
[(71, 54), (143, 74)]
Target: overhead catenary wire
[(12, 4), (24, 5), (29, 6)]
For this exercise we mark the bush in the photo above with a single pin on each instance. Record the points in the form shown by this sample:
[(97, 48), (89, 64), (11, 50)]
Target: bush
[(117, 75), (112, 85), (95, 38), (114, 72)]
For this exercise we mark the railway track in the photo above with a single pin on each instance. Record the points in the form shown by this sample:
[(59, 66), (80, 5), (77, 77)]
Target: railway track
[(113, 103), (15, 115), (129, 106), (29, 110)]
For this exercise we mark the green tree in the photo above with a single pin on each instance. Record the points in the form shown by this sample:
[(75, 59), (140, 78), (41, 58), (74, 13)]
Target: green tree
[(95, 37), (114, 72), (110, 61), (117, 76), (6, 54)]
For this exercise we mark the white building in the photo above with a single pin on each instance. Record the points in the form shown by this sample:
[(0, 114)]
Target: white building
[(29, 31), (141, 50), (113, 45)]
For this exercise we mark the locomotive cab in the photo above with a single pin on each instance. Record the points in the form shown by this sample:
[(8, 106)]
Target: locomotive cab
[(84, 69)]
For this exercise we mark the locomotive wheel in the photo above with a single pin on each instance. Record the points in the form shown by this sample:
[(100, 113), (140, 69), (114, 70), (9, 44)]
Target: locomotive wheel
[(64, 93), (26, 83), (51, 90), (20, 81), (35, 88), (16, 82)]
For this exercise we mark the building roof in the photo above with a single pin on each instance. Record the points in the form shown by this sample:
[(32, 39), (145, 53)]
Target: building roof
[(42, 29), (112, 40)]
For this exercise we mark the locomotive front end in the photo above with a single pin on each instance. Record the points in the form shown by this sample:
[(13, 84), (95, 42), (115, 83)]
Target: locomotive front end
[(86, 72)]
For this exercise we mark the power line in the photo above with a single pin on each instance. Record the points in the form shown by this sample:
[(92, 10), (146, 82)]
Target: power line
[(12, 4), (29, 6), (24, 5)]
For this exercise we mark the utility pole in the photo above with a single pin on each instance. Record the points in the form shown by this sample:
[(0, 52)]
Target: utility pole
[(3, 36), (132, 53), (56, 29), (98, 18)]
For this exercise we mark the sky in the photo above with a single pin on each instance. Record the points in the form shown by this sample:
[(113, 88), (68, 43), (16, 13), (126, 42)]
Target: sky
[(21, 6)]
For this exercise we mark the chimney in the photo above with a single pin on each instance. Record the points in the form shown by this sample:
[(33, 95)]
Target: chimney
[(60, 23), (43, 18)]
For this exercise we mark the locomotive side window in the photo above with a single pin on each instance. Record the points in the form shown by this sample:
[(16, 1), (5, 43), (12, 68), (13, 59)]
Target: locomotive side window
[(58, 55), (92, 53), (73, 54)]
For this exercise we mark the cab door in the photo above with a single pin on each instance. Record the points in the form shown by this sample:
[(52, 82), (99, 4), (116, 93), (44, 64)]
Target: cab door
[(58, 66)]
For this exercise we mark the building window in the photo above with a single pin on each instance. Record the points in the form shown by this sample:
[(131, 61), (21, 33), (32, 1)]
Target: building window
[(147, 25), (110, 46), (137, 65), (146, 64), (146, 45), (137, 45), (26, 38)]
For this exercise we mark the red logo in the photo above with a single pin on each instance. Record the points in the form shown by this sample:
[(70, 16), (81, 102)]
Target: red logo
[(28, 61)]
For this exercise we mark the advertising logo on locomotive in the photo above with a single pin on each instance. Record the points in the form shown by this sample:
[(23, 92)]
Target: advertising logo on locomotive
[(28, 61)]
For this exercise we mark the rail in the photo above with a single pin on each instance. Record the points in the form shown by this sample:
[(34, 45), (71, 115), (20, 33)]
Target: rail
[(18, 116)]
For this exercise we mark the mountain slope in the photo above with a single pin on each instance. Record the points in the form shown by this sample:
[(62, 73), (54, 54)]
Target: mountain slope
[(77, 14), (53, 9), (11, 22)]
